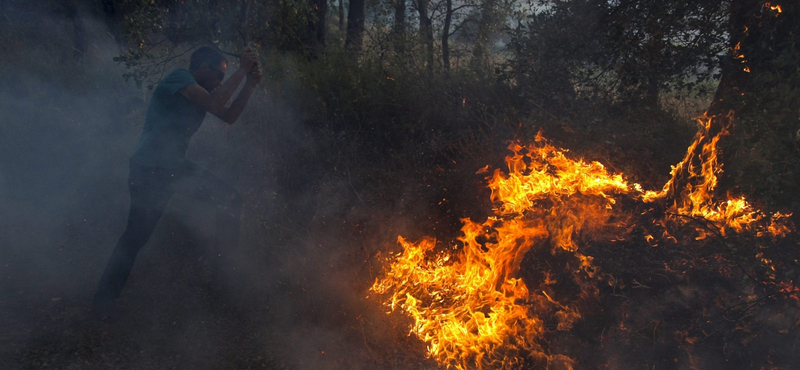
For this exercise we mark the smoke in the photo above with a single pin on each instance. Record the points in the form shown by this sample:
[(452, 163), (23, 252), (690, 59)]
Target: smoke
[(309, 241), (65, 130)]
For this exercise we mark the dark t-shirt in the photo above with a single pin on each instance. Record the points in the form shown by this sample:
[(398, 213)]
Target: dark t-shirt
[(170, 122)]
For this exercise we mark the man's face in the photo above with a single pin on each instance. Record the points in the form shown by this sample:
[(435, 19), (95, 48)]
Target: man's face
[(211, 77)]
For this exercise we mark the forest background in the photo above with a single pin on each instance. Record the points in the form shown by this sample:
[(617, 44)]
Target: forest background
[(372, 120)]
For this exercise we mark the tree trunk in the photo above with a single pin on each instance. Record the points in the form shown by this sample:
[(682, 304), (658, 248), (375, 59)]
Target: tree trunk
[(757, 40), (354, 40), (426, 31), (485, 29), (448, 17), (744, 15), (316, 26), (399, 28), (656, 47), (341, 15), (720, 120)]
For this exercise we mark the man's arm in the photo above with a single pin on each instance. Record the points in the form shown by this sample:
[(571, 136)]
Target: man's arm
[(214, 102), (231, 114)]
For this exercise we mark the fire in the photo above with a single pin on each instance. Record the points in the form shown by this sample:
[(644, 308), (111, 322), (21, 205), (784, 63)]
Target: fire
[(470, 307), (697, 199), (467, 300), (790, 289), (774, 8), (737, 54)]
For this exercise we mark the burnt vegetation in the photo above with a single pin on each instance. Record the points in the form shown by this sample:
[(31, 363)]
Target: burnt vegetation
[(371, 122)]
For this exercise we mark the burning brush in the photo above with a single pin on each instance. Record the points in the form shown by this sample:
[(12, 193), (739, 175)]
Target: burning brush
[(468, 301)]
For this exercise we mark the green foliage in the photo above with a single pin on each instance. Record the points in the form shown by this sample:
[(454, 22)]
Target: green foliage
[(388, 108), (158, 31), (763, 155), (605, 78), (279, 24), (627, 51), (606, 69)]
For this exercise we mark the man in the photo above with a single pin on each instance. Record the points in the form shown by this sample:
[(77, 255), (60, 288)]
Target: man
[(158, 167)]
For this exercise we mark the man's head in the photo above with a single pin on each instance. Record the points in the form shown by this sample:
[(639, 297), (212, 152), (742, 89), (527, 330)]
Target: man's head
[(208, 66)]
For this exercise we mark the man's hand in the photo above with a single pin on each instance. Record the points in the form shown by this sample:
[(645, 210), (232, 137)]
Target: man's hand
[(214, 101), (255, 74), (248, 59)]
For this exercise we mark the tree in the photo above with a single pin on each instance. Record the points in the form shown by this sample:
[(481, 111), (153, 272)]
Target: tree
[(341, 15), (485, 29), (629, 50), (763, 43), (354, 39), (448, 19), (457, 18), (156, 31), (399, 26), (426, 30), (317, 26), (625, 54), (758, 80)]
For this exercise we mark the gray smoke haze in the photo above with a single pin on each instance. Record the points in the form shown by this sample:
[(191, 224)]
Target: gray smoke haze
[(67, 130)]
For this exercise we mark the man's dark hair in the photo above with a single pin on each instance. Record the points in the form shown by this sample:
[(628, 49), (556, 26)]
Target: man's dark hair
[(208, 55)]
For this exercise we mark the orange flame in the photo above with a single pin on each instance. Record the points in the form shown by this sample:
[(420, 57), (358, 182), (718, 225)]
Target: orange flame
[(774, 8), (737, 54), (697, 198), (473, 311), (467, 301)]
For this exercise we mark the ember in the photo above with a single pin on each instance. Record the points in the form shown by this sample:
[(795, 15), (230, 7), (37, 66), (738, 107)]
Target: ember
[(468, 302), (776, 8)]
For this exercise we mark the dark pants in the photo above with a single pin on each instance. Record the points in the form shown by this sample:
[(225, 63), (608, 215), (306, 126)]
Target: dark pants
[(151, 189)]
